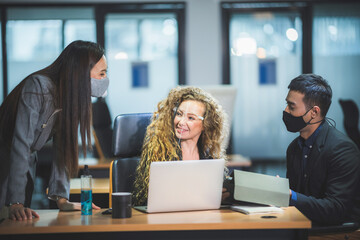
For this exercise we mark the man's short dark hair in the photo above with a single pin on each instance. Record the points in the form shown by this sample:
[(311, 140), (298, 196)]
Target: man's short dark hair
[(316, 90)]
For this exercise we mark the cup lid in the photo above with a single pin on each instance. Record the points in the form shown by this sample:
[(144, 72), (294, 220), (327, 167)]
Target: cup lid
[(121, 193)]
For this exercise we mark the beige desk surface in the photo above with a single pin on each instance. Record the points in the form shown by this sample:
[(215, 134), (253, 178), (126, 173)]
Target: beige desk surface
[(237, 160), (53, 221), (234, 160), (95, 163), (99, 185)]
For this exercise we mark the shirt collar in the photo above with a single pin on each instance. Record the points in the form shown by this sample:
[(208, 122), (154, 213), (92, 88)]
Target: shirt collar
[(310, 141)]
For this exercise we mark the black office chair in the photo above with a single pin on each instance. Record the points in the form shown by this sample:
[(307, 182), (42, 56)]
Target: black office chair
[(351, 120), (128, 136), (327, 232), (102, 127)]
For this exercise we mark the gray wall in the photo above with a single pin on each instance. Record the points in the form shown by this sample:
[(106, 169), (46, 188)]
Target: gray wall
[(203, 36)]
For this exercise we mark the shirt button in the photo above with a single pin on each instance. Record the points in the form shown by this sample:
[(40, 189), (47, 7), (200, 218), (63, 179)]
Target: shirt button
[(305, 175), (305, 156), (310, 146)]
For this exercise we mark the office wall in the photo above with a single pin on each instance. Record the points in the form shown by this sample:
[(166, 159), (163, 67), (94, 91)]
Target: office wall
[(203, 37), (258, 129), (203, 58), (203, 61), (121, 94)]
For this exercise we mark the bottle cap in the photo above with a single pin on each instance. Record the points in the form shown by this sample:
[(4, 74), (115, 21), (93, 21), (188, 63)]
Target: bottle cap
[(86, 170)]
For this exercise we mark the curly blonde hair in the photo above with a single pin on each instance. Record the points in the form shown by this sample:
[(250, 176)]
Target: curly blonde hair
[(161, 143)]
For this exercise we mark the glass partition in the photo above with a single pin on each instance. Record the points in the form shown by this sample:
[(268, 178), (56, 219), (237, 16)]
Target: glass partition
[(336, 53), (36, 36), (142, 53), (79, 30), (265, 54), (43, 44)]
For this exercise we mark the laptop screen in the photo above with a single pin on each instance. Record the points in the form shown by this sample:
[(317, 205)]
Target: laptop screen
[(185, 185)]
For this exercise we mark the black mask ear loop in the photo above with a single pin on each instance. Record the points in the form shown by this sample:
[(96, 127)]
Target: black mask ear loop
[(308, 123)]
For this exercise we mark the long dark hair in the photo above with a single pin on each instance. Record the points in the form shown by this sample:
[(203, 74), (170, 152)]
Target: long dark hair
[(70, 72)]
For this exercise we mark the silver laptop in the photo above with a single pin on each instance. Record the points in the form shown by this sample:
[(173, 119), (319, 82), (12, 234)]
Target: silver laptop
[(185, 185)]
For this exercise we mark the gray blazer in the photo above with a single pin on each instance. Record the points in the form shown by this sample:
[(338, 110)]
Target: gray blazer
[(36, 117)]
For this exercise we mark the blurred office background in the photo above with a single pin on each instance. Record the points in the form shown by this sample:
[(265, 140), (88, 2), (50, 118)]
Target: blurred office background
[(254, 46)]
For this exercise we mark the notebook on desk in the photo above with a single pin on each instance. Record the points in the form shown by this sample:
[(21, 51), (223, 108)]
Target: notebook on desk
[(261, 189), (184, 186)]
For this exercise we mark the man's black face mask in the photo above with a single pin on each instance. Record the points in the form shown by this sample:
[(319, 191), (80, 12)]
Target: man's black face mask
[(294, 124)]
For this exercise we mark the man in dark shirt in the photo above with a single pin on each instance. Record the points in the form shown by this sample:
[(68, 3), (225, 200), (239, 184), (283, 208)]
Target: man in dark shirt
[(323, 165)]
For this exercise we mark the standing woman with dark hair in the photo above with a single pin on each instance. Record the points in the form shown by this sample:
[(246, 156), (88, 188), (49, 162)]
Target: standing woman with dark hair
[(52, 102)]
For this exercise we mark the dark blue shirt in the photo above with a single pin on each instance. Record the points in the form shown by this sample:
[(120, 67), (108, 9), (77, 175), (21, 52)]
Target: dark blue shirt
[(306, 147)]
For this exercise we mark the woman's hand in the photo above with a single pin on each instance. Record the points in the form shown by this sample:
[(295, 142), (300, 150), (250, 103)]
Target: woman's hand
[(64, 205), (19, 212)]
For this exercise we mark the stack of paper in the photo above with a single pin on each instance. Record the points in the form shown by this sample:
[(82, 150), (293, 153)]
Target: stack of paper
[(256, 209)]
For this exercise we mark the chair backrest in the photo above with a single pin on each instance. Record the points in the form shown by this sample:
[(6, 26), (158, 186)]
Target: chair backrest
[(102, 127), (123, 174), (351, 119), (129, 133), (128, 137)]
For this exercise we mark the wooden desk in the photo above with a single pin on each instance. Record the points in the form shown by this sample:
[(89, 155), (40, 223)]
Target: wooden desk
[(100, 190), (95, 163), (211, 224), (234, 160), (99, 185), (99, 168), (237, 160)]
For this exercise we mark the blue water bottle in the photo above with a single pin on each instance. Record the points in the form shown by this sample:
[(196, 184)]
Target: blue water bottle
[(86, 192)]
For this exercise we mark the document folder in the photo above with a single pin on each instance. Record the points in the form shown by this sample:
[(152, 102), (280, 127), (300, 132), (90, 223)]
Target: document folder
[(256, 209), (261, 188)]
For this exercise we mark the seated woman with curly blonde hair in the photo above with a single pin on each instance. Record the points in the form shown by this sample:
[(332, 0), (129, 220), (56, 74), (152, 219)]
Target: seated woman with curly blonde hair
[(188, 125)]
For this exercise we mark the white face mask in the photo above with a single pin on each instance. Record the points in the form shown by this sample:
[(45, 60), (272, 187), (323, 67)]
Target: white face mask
[(99, 86)]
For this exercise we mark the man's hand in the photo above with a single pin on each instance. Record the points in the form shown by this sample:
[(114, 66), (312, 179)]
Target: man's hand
[(64, 205), (225, 194), (19, 212), (289, 189)]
